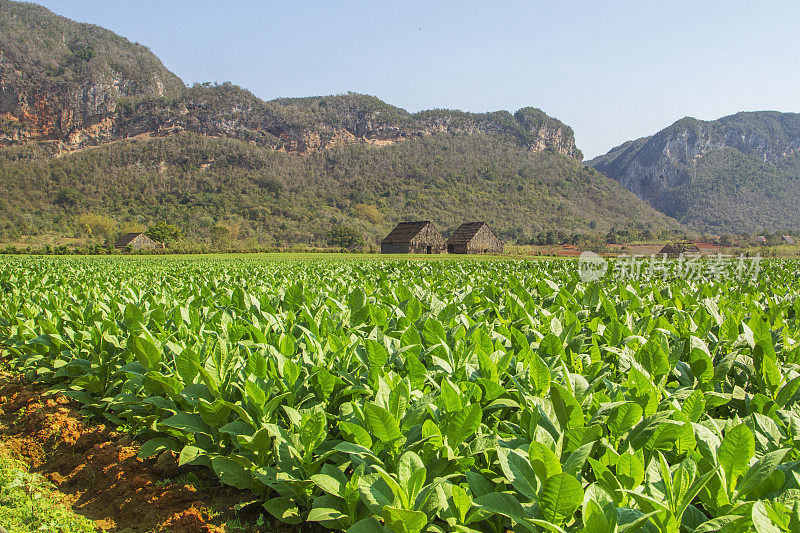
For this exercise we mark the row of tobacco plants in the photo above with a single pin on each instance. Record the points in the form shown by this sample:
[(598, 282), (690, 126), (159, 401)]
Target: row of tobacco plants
[(469, 396)]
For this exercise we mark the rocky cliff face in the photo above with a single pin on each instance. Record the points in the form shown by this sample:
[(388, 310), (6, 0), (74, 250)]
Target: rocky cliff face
[(61, 80), (90, 115), (306, 125), (653, 166), (75, 116), (691, 153)]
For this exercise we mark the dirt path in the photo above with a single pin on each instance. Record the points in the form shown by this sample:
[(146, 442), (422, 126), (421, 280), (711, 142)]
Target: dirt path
[(98, 471)]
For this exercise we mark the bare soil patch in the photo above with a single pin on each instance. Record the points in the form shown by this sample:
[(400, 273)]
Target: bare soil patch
[(99, 474)]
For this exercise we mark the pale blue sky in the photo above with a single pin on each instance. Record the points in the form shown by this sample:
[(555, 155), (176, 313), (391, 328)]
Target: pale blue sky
[(612, 70)]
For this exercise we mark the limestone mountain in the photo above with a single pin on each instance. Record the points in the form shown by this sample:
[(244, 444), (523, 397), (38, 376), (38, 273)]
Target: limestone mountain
[(61, 80), (740, 173), (94, 125)]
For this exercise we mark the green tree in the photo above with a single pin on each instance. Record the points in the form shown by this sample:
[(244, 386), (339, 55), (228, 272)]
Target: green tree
[(219, 235), (344, 237), (163, 232), (98, 226), (68, 197)]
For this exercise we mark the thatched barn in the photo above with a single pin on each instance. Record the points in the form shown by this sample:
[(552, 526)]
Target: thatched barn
[(474, 238), (677, 249), (414, 238), (788, 239), (137, 241)]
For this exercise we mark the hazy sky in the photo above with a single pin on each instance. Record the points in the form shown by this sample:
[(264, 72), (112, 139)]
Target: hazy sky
[(613, 71)]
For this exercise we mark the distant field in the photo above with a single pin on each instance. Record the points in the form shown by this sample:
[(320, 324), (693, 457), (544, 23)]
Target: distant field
[(304, 256), (298, 256)]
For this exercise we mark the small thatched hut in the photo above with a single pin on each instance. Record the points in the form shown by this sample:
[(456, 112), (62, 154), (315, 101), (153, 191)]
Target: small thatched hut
[(137, 241), (474, 238), (414, 238), (681, 248)]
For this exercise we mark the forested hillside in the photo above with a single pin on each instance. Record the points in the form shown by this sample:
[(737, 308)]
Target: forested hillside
[(205, 183)]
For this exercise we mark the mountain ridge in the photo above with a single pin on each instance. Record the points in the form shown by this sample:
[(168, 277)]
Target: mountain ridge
[(62, 81), (312, 123), (702, 171)]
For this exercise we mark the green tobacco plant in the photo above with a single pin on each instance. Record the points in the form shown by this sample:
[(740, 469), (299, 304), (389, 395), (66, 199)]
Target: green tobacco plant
[(415, 396)]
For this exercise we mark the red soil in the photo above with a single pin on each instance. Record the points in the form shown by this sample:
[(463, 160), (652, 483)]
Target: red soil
[(98, 471)]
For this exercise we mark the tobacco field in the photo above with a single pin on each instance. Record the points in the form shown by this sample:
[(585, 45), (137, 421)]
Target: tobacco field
[(434, 396)]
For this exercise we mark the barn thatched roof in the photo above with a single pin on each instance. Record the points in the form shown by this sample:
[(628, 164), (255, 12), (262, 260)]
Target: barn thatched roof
[(465, 233), (680, 248), (136, 239), (405, 231), (126, 239)]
